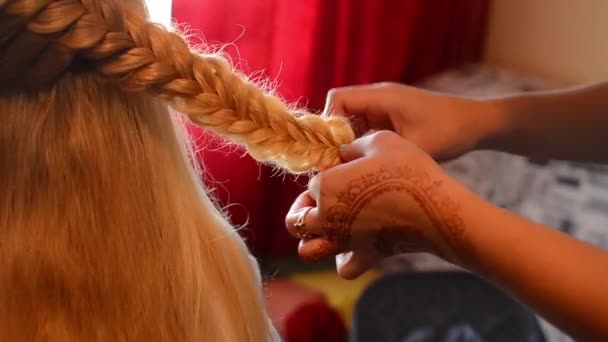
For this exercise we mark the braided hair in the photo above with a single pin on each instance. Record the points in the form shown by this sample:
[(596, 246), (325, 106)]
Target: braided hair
[(52, 37)]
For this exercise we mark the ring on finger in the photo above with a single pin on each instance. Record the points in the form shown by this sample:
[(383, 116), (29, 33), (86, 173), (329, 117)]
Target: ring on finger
[(300, 225)]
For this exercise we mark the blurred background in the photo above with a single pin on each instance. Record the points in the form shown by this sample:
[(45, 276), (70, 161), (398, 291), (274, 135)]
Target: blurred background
[(474, 48)]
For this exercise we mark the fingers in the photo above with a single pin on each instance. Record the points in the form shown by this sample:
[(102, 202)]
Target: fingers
[(315, 247), (328, 181), (318, 249), (365, 106), (347, 100), (355, 99), (381, 141), (349, 265), (305, 212), (323, 184), (357, 149), (315, 184)]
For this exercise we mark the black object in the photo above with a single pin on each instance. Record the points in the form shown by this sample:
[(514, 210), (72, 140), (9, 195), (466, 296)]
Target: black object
[(441, 307)]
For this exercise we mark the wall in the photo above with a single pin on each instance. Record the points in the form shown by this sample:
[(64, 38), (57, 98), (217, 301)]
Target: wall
[(564, 40)]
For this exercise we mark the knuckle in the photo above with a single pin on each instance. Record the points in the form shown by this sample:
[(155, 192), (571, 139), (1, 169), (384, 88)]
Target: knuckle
[(289, 221), (385, 85), (335, 93), (335, 101), (383, 137), (389, 86), (317, 185)]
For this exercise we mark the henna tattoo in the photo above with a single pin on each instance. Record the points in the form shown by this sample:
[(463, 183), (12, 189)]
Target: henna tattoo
[(322, 251), (392, 240), (441, 211)]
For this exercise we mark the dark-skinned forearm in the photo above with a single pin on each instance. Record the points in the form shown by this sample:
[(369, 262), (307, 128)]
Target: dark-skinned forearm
[(561, 278), (569, 124)]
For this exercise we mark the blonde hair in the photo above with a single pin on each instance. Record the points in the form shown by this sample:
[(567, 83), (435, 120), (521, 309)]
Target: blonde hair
[(143, 56), (105, 230)]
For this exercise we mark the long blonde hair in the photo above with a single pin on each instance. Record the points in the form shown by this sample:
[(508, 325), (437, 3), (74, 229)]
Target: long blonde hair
[(106, 233)]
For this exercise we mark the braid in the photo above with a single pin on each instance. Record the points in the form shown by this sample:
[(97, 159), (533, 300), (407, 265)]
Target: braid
[(142, 56)]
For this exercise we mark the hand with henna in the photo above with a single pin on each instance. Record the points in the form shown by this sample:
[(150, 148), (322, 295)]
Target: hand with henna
[(389, 197)]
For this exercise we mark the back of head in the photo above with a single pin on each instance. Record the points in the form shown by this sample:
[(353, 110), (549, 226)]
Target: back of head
[(105, 232)]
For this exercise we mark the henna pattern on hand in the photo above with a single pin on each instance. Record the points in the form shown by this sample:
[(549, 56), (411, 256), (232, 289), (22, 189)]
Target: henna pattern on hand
[(438, 208), (323, 250), (392, 240)]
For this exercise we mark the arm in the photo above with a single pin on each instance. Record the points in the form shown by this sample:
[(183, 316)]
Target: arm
[(567, 124), (389, 198), (564, 279)]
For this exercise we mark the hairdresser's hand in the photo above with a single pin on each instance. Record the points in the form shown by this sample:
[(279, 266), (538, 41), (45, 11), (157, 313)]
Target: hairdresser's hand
[(388, 198), (443, 126)]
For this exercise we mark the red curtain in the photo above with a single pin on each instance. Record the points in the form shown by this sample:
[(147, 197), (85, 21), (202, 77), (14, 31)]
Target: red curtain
[(308, 47)]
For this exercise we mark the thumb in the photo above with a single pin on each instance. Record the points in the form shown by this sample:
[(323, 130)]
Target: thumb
[(350, 152), (362, 147)]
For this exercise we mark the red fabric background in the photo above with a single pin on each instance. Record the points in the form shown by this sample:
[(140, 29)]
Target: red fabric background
[(310, 46), (302, 314)]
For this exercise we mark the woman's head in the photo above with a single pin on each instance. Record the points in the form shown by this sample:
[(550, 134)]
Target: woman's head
[(105, 231), (42, 39)]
